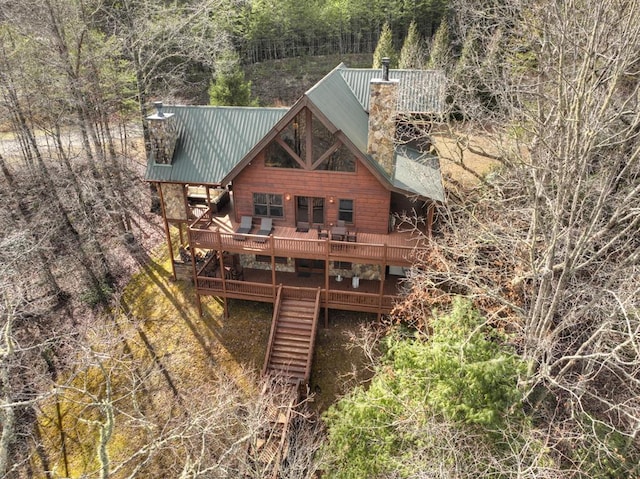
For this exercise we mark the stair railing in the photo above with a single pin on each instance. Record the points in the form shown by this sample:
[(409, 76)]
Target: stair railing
[(274, 326), (312, 343)]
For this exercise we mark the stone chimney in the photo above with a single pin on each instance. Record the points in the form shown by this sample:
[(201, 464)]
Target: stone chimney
[(382, 119), (164, 134)]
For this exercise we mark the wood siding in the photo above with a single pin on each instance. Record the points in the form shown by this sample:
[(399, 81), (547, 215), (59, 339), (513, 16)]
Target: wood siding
[(371, 198)]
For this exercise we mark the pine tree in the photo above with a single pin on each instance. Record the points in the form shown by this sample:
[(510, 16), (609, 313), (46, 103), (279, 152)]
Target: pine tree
[(229, 88), (385, 48), (412, 55), (441, 47)]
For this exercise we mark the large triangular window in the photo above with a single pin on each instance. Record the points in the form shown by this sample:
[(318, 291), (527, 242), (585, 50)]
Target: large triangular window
[(307, 143)]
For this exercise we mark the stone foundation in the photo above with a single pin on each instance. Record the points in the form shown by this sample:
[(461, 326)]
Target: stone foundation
[(363, 271)]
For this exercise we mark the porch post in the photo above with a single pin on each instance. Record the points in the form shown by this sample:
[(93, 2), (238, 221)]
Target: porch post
[(222, 272), (326, 283), (429, 219), (273, 267), (199, 303), (166, 231), (383, 267)]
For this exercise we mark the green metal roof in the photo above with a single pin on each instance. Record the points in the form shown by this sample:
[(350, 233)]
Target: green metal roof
[(421, 91), (212, 140), (415, 172), (334, 98), (418, 173)]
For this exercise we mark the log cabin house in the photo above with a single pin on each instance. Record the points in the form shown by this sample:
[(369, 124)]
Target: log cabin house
[(328, 178)]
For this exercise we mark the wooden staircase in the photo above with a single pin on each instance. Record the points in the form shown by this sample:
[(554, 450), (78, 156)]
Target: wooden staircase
[(293, 333), (287, 367), (270, 446)]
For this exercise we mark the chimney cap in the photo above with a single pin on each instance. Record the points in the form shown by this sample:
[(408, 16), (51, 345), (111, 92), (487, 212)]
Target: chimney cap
[(158, 107), (385, 68)]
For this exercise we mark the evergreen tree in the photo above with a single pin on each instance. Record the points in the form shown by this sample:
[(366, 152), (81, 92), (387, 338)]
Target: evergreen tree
[(427, 397), (441, 47), (385, 48), (412, 55), (229, 88)]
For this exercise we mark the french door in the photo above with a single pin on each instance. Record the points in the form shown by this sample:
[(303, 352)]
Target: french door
[(310, 210)]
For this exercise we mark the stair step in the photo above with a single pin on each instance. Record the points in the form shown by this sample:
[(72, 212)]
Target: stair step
[(295, 315), (287, 355), (285, 337), (286, 348), (285, 359), (299, 302), (287, 366), (290, 348), (295, 323), (300, 322), (289, 333)]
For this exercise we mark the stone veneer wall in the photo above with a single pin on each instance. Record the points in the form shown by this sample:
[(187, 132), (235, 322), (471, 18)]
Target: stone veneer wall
[(382, 123), (164, 134), (173, 196), (249, 261), (364, 271)]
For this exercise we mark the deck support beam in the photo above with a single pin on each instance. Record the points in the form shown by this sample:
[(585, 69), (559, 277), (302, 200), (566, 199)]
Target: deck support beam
[(166, 230)]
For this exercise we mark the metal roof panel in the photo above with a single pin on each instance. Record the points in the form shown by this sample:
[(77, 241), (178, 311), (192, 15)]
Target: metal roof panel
[(333, 97), (212, 140), (421, 91), (418, 173)]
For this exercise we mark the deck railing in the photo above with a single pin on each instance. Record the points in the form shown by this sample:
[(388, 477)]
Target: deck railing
[(204, 218), (335, 299), (299, 248), (236, 289)]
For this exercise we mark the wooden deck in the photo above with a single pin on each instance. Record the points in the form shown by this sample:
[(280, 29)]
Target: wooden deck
[(257, 285), (217, 232)]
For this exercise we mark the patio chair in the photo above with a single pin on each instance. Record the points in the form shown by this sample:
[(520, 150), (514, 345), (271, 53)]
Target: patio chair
[(352, 236), (266, 227), (341, 223), (302, 227), (323, 233), (246, 223)]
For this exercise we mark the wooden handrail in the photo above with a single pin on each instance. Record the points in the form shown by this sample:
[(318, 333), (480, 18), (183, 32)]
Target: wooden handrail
[(207, 214), (314, 330), (274, 327)]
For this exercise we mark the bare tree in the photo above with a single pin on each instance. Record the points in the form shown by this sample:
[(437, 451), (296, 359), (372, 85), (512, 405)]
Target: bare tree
[(547, 245)]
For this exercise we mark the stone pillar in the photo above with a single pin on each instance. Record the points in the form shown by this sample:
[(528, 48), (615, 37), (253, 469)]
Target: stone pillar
[(382, 123)]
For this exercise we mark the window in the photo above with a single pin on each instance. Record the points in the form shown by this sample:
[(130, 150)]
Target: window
[(341, 265), (267, 204), (277, 157), (339, 160), (345, 211)]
